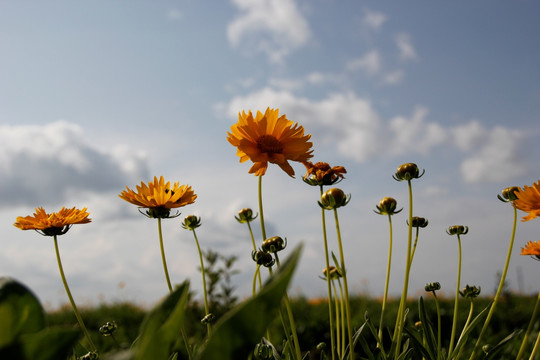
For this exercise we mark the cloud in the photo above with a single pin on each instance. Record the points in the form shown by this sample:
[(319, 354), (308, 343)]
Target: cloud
[(374, 19), (174, 14), (370, 63), (405, 47), (393, 77), (275, 27), (492, 154), (43, 164)]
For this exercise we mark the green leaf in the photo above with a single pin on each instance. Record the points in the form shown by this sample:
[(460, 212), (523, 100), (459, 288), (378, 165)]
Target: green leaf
[(20, 311), (237, 332), (161, 328), (463, 339), (493, 352), (49, 344), (431, 341)]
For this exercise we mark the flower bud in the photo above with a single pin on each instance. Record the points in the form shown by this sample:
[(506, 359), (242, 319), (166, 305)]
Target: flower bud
[(387, 206), (263, 352), (457, 230), (487, 348), (434, 286), (470, 292), (90, 356), (321, 346), (274, 244), (334, 272), (333, 199), (509, 194), (108, 328), (245, 216), (418, 325), (418, 222), (408, 172), (191, 222), (262, 258), (208, 319)]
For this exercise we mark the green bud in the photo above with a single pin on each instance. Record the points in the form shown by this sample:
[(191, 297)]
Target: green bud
[(333, 199), (108, 328), (208, 319), (274, 244), (245, 216), (191, 222), (263, 351), (387, 206), (457, 230), (334, 272), (434, 286), (263, 258), (408, 172), (509, 194), (418, 222), (470, 292)]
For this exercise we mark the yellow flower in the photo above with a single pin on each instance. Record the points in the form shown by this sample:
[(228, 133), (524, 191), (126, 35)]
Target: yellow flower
[(532, 248), (57, 223), (321, 173), (159, 197), (269, 138), (528, 200)]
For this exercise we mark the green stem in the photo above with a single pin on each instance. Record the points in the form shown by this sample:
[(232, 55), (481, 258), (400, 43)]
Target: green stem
[(535, 348), (327, 260), (261, 213), (469, 318), (438, 326), (258, 272), (385, 297), (414, 246), (163, 256), (338, 323), (456, 303), (499, 289), (208, 326), (529, 328), (345, 286), (400, 322), (68, 292)]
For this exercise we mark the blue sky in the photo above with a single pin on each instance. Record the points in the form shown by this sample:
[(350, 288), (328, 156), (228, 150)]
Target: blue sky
[(96, 96)]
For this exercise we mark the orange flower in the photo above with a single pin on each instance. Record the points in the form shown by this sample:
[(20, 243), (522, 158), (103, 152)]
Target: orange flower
[(269, 138), (532, 248), (321, 173), (53, 224), (528, 200), (159, 196)]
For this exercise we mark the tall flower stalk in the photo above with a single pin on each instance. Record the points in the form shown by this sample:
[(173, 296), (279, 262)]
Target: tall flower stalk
[(53, 225)]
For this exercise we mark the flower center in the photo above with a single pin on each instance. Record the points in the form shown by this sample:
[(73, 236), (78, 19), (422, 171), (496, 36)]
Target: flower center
[(269, 144)]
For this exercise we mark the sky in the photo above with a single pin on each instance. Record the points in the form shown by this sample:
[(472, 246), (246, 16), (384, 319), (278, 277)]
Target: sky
[(99, 95)]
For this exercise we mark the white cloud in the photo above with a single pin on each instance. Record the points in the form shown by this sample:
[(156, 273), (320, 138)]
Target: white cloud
[(275, 27), (370, 63), (393, 77), (414, 134), (374, 19), (174, 14), (494, 153), (405, 47), (45, 163)]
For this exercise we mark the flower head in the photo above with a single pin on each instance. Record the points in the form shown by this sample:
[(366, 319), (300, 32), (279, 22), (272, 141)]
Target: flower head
[(191, 222), (274, 244), (528, 200), (470, 292), (159, 197), (321, 173), (457, 230), (532, 248), (387, 206), (245, 216), (408, 172), (418, 222), (269, 138), (53, 224), (433, 286), (334, 198)]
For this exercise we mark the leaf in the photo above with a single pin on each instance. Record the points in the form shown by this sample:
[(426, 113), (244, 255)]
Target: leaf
[(463, 339), (497, 348), (20, 311), (427, 330), (49, 344), (237, 332), (161, 328)]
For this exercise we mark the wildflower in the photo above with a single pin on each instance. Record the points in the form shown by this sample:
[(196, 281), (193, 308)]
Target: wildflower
[(159, 197), (191, 222), (457, 230), (245, 216), (418, 222), (508, 194), (333, 199), (470, 292), (408, 171), (57, 223), (528, 200), (268, 138), (274, 244), (532, 248), (321, 173), (387, 206), (434, 286)]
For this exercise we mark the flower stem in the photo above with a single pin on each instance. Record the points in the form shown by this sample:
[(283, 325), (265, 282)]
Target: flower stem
[(529, 328), (68, 292), (400, 322), (208, 326), (345, 286), (338, 329), (329, 289), (499, 289), (385, 297), (258, 272), (163, 256), (438, 326), (261, 212), (535, 348), (467, 322), (456, 302)]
